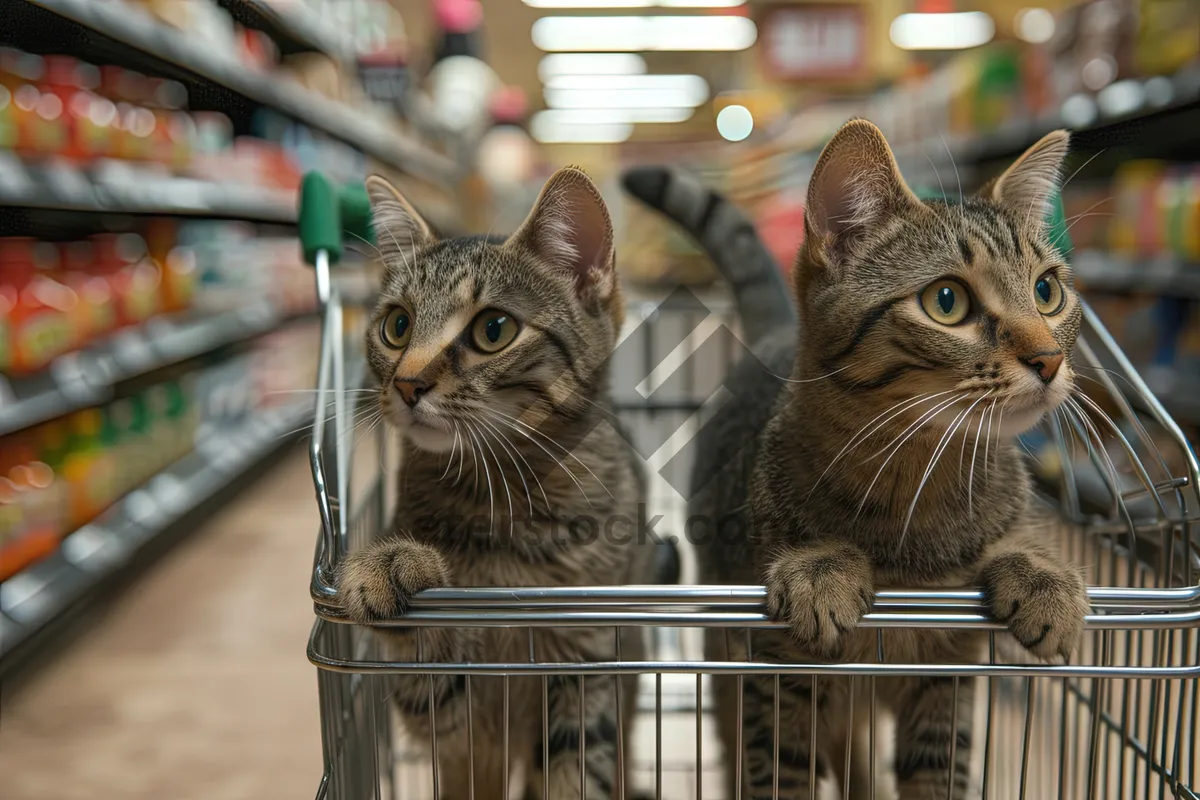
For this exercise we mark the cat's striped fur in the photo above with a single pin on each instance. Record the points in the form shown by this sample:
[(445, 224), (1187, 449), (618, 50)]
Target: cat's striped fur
[(854, 481), (489, 490)]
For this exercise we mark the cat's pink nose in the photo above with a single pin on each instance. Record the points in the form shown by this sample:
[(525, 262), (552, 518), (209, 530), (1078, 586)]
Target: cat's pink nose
[(1045, 364), (411, 389)]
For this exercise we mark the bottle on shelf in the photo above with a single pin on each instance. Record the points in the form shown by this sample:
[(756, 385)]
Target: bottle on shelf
[(40, 310)]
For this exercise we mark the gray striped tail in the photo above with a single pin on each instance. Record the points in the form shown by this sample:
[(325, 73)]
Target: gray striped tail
[(763, 300)]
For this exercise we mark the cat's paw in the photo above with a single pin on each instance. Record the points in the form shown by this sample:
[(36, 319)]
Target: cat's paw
[(821, 591), (1042, 603), (378, 581)]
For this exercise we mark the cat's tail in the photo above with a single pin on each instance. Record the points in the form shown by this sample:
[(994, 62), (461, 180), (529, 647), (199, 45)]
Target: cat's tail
[(763, 300)]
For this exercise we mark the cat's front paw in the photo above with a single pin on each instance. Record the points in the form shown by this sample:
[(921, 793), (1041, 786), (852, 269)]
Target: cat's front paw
[(1042, 603), (821, 591), (378, 581)]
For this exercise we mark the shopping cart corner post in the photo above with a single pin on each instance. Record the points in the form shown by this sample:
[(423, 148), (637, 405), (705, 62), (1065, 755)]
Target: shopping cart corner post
[(325, 214)]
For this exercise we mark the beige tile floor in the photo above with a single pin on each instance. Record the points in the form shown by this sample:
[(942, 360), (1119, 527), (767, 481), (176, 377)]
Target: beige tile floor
[(195, 683)]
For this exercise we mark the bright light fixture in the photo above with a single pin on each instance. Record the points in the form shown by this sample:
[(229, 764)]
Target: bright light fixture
[(735, 123), (618, 98), (634, 3), (638, 34), (691, 89), (590, 64), (609, 116), (551, 132), (1034, 25), (954, 31)]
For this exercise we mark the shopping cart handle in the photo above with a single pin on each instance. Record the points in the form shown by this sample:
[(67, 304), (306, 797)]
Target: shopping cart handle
[(327, 212)]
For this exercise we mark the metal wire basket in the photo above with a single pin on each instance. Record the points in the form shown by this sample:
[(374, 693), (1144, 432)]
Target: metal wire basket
[(1120, 722)]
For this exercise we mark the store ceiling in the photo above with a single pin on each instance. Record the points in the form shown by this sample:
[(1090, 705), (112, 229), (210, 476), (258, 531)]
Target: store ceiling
[(509, 49)]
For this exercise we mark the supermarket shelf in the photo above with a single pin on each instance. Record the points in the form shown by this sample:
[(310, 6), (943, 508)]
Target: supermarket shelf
[(96, 557), (88, 377), (172, 51), (1159, 275), (294, 30), (1126, 114), (63, 188)]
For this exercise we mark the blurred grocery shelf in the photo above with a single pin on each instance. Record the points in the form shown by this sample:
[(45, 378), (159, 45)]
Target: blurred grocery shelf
[(1129, 113), (55, 187), (295, 29), (126, 33), (136, 528), (88, 377), (1160, 275)]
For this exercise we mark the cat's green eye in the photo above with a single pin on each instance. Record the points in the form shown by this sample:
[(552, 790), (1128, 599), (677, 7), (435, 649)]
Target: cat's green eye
[(396, 328), (493, 330), (1048, 294), (946, 301)]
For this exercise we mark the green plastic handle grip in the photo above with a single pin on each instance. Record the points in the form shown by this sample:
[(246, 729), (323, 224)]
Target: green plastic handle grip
[(327, 212)]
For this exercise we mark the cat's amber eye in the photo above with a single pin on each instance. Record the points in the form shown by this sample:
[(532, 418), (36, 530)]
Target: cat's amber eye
[(396, 328), (493, 330), (946, 301), (1048, 294)]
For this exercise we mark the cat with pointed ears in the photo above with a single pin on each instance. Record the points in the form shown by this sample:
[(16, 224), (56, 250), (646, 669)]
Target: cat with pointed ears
[(929, 335), (491, 356)]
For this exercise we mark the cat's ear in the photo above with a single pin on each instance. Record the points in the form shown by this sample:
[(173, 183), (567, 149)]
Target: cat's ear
[(569, 230), (1026, 187), (399, 229), (854, 186)]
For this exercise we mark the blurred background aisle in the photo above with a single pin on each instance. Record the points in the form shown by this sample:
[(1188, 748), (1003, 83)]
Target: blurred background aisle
[(157, 323), (184, 687)]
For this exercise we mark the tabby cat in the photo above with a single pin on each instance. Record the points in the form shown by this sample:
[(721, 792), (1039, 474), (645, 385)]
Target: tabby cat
[(490, 355), (930, 334)]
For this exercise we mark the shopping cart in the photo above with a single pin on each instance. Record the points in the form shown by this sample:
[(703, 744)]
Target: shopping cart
[(1118, 723)]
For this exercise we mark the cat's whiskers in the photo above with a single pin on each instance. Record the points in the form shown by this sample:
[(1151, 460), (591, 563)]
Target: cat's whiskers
[(1000, 432), (488, 472), (552, 457), (453, 448), (962, 450), (1082, 215), (851, 445), (974, 455), (962, 204), (911, 431), (987, 443), (945, 224), (811, 380), (551, 440), (505, 442), (913, 427), (503, 478), (1104, 460), (942, 444), (367, 243)]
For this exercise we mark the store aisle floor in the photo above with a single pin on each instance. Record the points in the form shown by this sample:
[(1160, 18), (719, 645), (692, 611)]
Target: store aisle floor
[(195, 683)]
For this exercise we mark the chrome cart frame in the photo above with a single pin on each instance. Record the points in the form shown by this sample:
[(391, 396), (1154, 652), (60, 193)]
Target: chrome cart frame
[(1119, 723)]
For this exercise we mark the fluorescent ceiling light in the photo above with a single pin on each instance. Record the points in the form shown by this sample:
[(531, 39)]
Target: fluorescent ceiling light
[(692, 88), (552, 133), (618, 98), (590, 64), (637, 34), (634, 3), (956, 31), (609, 116)]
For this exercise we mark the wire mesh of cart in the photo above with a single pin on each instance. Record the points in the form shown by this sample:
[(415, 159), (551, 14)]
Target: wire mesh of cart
[(1118, 722)]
